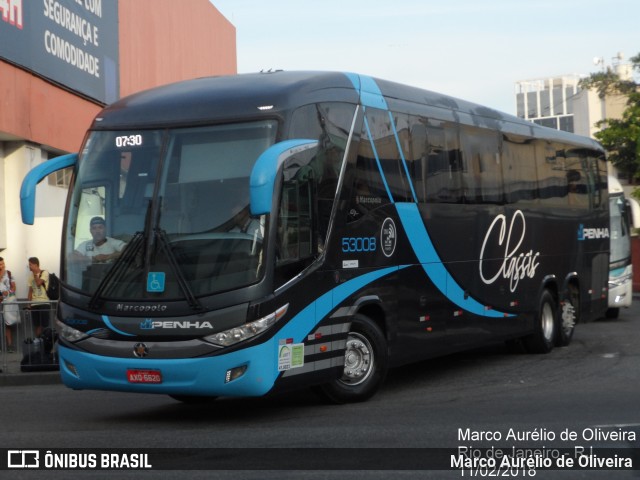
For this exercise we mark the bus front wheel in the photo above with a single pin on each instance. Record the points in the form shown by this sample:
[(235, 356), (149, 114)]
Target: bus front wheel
[(543, 337), (365, 364)]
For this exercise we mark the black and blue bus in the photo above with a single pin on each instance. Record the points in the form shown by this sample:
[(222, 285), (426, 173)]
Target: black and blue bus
[(279, 230)]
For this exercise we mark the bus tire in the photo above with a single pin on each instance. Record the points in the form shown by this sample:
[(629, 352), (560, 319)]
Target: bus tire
[(366, 362), (543, 338), (613, 312), (569, 316)]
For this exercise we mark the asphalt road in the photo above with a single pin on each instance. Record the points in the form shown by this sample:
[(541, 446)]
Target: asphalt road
[(590, 389)]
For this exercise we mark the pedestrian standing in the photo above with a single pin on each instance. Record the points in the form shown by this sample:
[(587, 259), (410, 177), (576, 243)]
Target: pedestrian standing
[(38, 282), (8, 290)]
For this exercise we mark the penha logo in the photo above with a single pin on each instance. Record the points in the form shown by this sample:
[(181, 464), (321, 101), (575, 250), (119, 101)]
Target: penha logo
[(149, 324), (586, 233), (516, 264)]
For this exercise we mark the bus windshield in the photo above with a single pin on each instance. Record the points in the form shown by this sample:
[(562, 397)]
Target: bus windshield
[(165, 213), (620, 230)]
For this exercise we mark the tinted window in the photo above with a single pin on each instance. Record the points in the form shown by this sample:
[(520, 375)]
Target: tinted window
[(440, 164), (552, 175), (378, 144), (519, 169), (482, 175), (330, 124), (577, 179)]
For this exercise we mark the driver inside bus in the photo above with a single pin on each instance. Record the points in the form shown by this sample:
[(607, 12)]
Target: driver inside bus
[(100, 249)]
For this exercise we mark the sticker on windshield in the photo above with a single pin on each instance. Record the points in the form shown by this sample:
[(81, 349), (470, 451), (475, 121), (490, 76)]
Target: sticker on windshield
[(155, 282)]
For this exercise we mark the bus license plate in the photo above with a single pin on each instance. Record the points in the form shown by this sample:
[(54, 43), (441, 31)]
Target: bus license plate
[(144, 376)]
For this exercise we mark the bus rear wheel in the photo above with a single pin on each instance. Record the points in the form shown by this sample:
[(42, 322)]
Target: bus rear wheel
[(366, 362), (569, 316), (543, 338)]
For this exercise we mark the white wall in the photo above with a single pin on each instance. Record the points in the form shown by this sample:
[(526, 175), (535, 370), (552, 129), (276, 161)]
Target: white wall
[(43, 238), (587, 110)]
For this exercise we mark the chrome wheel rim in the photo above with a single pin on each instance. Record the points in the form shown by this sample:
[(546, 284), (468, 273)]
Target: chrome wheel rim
[(568, 317), (547, 322), (358, 360)]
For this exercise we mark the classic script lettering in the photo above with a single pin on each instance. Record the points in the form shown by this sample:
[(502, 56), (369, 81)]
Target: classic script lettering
[(515, 266)]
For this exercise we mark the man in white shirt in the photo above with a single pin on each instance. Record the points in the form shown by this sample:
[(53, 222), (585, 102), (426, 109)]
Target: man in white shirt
[(100, 249)]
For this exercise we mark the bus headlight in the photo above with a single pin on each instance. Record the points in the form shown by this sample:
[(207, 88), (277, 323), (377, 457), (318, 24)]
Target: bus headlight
[(619, 281), (246, 331), (68, 333)]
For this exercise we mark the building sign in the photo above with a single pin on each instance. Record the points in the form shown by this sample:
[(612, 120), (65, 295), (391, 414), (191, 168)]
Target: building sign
[(73, 42)]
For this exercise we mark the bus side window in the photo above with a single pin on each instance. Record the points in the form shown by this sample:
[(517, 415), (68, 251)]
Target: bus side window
[(380, 175), (441, 165), (552, 176), (519, 169), (330, 124), (481, 173), (577, 180), (597, 179), (417, 153), (297, 242), (378, 144), (368, 192)]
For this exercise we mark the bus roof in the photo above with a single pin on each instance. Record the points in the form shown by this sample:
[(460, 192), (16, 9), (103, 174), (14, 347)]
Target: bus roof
[(239, 97), (229, 98)]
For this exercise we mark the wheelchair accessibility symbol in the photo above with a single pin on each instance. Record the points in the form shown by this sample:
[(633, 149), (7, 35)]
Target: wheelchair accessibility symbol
[(155, 282)]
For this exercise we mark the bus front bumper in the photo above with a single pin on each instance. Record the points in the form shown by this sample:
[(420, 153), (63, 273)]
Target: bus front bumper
[(244, 372)]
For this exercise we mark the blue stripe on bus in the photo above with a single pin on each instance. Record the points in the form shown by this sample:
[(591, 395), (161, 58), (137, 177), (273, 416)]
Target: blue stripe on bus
[(370, 94), (409, 214), (304, 322), (426, 253), (108, 323), (404, 161), (206, 375), (375, 154)]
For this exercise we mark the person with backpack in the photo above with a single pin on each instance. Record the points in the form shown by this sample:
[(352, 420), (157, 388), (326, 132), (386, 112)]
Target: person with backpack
[(38, 282)]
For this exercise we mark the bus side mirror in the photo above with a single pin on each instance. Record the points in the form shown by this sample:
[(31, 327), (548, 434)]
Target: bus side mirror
[(34, 177), (264, 173), (634, 212)]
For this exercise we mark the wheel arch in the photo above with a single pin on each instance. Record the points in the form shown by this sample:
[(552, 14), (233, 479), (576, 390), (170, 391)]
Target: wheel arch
[(371, 306), (550, 283)]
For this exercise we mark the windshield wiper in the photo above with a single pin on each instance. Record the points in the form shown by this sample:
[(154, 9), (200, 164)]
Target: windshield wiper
[(194, 303), (120, 265)]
